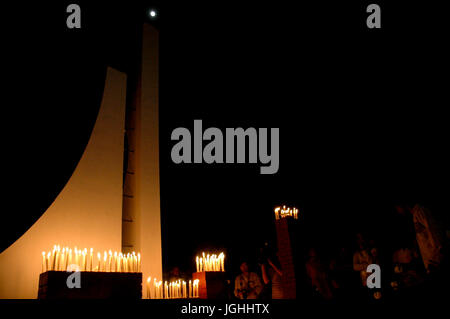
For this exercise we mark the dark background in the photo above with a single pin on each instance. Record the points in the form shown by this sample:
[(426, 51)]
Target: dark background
[(362, 114)]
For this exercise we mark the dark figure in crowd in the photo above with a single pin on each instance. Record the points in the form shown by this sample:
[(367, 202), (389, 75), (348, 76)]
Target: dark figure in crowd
[(408, 268), (271, 274), (429, 235), (248, 284), (341, 272), (317, 273), (362, 258), (365, 255), (175, 274)]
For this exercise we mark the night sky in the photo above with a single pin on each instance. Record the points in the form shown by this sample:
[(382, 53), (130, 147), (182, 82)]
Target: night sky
[(360, 112)]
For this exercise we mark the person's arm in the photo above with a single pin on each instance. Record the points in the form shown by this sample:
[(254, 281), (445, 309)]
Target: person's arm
[(265, 277), (312, 274), (395, 257), (258, 284), (237, 287), (275, 267), (357, 265)]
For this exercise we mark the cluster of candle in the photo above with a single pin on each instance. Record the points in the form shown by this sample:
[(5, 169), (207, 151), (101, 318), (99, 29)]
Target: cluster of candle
[(173, 290), (210, 262), (62, 259), (282, 212)]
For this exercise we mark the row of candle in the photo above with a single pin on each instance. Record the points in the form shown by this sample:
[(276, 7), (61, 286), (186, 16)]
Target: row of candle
[(173, 290), (282, 212), (63, 259), (210, 262)]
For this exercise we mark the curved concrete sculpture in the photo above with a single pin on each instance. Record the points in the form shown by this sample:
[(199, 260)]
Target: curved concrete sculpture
[(88, 211)]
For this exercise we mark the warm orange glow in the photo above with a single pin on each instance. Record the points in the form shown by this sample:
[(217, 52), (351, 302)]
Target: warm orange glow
[(283, 212), (210, 262), (172, 290), (60, 260)]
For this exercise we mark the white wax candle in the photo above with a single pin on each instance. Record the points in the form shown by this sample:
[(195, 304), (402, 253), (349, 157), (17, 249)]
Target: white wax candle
[(91, 260), (105, 256), (49, 256), (69, 259), (56, 263), (83, 265), (110, 261), (99, 266), (44, 267)]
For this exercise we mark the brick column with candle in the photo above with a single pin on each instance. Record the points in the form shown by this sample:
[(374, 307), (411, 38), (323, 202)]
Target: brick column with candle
[(286, 241)]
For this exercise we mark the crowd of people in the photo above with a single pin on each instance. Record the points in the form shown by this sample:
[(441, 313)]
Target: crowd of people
[(419, 255)]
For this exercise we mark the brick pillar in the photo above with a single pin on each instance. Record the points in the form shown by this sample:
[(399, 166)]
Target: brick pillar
[(212, 284), (285, 228)]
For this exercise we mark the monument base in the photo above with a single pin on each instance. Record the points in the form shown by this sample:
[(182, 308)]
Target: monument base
[(94, 285), (212, 284)]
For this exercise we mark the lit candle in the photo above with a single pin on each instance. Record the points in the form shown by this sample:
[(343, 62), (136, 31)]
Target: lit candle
[(166, 288), (91, 260), (56, 262), (105, 255), (99, 265), (85, 259), (49, 255), (148, 288), (115, 261), (83, 265), (130, 263), (76, 255), (139, 262), (190, 289), (204, 262), (110, 261), (69, 258), (44, 267), (63, 260)]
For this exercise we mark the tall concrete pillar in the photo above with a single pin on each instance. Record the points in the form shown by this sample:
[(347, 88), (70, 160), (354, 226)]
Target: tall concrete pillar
[(141, 228)]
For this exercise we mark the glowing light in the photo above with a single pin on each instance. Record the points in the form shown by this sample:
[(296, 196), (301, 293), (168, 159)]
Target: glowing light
[(152, 13), (210, 262), (178, 289), (283, 212), (60, 260)]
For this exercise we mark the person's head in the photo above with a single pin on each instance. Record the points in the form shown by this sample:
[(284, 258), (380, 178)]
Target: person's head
[(244, 267), (312, 253), (403, 208), (361, 242), (175, 271)]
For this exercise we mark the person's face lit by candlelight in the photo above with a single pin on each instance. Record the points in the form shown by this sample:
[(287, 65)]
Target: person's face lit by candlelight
[(244, 267)]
